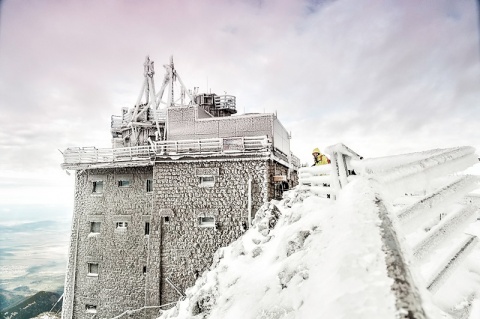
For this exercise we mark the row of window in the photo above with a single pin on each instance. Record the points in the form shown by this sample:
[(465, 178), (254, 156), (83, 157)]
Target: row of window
[(203, 221), (97, 186), (93, 269), (93, 272), (95, 226)]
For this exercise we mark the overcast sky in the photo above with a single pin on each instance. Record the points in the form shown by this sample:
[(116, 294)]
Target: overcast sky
[(381, 76)]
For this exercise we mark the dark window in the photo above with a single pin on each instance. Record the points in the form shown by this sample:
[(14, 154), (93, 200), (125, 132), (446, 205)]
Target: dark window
[(166, 219), (147, 228), (205, 221), (149, 185), (91, 308), (144, 269), (124, 183), (98, 187), (94, 227), (121, 225), (207, 181), (92, 269)]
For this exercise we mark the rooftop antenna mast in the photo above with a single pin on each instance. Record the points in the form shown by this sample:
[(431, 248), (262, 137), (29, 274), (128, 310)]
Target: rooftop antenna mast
[(171, 76), (171, 94), (148, 89)]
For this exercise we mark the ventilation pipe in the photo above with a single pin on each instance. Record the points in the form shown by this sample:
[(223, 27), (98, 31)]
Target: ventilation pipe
[(249, 202)]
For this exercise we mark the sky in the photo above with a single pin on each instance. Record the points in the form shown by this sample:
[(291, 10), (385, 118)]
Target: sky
[(383, 77)]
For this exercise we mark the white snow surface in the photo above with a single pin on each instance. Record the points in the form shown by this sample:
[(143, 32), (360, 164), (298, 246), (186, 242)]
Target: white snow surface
[(47, 315), (322, 259), (310, 257)]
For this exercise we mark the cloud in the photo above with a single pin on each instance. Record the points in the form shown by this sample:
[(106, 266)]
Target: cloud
[(383, 77)]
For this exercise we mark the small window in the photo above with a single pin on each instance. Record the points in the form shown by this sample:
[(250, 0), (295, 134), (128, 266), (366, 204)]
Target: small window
[(124, 183), (92, 269), (91, 308), (144, 269), (121, 225), (207, 181), (149, 185), (94, 227), (97, 187), (205, 221), (147, 228), (166, 219)]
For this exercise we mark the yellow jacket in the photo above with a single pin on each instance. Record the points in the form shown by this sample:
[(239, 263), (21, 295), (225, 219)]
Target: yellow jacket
[(321, 160)]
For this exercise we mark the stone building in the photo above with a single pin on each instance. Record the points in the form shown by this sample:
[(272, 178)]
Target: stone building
[(177, 184)]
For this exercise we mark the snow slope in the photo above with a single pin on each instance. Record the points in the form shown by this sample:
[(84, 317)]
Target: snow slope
[(310, 257), (322, 259)]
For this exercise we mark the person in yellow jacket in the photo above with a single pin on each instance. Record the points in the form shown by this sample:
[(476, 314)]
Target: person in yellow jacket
[(319, 158)]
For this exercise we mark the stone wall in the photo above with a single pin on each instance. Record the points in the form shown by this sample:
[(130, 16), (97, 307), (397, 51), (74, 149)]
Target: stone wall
[(187, 244), (120, 253), (277, 169), (194, 208)]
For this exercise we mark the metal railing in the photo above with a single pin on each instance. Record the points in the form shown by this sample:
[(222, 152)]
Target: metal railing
[(215, 146), (329, 179), (116, 122), (225, 102), (317, 180), (87, 155), (420, 197)]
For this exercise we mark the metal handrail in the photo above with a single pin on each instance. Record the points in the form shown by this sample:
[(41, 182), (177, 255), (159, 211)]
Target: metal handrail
[(86, 155), (430, 174)]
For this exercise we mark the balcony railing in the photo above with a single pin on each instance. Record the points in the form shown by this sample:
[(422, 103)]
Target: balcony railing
[(173, 149)]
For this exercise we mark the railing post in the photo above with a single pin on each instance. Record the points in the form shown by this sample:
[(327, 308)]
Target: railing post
[(339, 154), (407, 297), (335, 174)]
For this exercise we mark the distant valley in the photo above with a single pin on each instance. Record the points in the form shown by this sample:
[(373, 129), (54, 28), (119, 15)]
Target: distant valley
[(33, 258), (38, 303)]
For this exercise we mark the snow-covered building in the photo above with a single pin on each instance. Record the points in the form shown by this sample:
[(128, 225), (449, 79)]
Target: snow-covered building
[(183, 178)]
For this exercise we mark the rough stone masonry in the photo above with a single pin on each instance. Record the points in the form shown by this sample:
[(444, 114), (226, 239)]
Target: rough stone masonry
[(150, 231)]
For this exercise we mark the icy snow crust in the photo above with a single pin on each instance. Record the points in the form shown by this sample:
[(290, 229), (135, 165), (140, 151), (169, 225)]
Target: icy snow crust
[(308, 258)]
